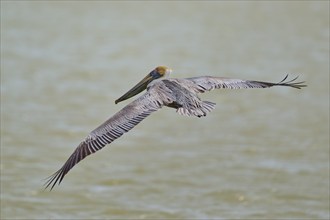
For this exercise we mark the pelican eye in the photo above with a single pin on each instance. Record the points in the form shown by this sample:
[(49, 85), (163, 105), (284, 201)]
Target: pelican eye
[(155, 75)]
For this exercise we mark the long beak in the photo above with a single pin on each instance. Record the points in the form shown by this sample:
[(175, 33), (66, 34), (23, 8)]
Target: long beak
[(142, 85)]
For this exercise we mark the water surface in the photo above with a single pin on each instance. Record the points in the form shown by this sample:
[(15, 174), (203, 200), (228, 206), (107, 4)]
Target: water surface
[(260, 154)]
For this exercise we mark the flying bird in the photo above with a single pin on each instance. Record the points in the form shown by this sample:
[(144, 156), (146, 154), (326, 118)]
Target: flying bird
[(181, 94)]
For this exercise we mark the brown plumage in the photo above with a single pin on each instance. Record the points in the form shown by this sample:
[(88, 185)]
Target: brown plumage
[(180, 94)]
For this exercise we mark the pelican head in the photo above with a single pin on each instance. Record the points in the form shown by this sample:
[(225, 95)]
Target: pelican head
[(157, 73)]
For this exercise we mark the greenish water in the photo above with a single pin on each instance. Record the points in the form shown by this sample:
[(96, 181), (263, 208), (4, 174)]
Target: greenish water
[(261, 154)]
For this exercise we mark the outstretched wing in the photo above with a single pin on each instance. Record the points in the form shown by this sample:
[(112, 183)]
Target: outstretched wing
[(207, 83), (113, 128)]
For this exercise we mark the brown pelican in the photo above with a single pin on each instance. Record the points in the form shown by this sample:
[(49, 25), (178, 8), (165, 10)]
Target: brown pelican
[(180, 94)]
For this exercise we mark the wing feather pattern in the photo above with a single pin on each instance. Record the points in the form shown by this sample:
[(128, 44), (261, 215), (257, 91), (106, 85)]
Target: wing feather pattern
[(113, 128), (208, 83)]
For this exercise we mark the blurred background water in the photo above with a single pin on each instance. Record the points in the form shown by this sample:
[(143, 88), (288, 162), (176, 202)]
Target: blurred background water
[(261, 154)]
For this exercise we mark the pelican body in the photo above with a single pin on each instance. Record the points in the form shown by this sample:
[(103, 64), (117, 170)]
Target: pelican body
[(181, 94)]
